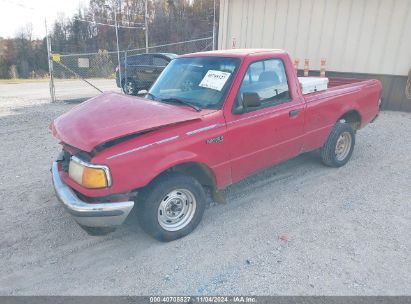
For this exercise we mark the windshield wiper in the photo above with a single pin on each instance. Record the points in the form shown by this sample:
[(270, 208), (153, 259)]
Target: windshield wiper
[(176, 100)]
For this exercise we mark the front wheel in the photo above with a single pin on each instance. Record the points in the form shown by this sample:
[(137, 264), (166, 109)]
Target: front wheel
[(339, 146), (171, 206)]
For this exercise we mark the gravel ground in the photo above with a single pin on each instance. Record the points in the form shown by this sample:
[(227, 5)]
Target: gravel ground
[(298, 228)]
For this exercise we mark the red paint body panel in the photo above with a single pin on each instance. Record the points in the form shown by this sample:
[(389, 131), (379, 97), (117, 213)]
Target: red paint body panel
[(267, 136), (111, 115), (252, 141)]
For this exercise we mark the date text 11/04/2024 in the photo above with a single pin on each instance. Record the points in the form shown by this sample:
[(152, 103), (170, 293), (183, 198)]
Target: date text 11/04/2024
[(203, 299)]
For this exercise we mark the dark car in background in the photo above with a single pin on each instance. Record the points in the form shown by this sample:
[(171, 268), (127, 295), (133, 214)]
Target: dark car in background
[(138, 72)]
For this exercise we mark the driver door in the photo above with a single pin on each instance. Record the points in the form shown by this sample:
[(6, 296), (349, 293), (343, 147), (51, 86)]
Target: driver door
[(269, 132)]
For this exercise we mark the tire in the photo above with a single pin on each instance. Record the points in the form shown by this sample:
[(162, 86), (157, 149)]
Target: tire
[(168, 193), (342, 135), (129, 88)]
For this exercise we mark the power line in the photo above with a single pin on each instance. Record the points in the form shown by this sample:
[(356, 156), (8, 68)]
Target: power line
[(106, 24), (124, 21)]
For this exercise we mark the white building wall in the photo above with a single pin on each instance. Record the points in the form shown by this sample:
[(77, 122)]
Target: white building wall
[(364, 36)]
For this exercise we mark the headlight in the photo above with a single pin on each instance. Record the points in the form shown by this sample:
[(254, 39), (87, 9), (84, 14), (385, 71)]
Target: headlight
[(89, 175)]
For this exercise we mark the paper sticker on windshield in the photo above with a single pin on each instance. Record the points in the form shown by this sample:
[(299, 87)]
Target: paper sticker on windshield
[(214, 80)]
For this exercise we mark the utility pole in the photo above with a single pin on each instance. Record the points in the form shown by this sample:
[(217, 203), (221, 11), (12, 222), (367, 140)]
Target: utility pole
[(146, 24), (214, 29), (50, 62), (118, 48)]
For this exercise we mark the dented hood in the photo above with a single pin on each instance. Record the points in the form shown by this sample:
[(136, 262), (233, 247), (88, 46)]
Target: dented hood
[(110, 116)]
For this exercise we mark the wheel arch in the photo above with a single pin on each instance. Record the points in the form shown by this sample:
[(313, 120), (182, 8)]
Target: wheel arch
[(199, 171), (352, 117)]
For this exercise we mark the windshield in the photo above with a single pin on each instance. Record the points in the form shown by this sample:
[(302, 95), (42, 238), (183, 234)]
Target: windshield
[(200, 81)]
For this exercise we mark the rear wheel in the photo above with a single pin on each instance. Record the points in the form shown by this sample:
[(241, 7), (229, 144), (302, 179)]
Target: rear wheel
[(171, 206), (339, 146)]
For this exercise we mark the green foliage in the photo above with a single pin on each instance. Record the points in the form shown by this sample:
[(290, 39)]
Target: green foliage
[(101, 64), (4, 69), (13, 72), (22, 57), (169, 21)]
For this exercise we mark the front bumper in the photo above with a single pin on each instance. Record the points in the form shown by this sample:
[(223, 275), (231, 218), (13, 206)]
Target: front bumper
[(86, 214)]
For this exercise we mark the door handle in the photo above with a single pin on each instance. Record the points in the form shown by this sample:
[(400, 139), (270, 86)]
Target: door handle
[(293, 113)]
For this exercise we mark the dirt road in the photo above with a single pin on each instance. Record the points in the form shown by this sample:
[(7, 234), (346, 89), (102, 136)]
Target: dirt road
[(297, 228)]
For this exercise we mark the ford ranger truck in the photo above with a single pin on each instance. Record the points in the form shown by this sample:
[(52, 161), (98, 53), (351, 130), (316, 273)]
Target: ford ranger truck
[(209, 120)]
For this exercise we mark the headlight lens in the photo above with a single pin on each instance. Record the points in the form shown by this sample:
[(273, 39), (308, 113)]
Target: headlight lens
[(89, 175)]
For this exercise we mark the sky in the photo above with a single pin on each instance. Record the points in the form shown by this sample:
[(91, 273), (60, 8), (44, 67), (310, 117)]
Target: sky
[(15, 14)]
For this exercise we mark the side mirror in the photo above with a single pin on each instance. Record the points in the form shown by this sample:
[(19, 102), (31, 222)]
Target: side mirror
[(251, 100)]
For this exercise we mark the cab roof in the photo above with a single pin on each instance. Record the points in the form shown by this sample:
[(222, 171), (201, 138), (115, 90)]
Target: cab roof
[(240, 53)]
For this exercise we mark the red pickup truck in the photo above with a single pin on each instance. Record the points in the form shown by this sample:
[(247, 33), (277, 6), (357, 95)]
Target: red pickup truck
[(210, 120)]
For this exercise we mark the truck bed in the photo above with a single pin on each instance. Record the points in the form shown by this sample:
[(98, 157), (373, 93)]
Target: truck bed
[(336, 82), (338, 86), (343, 94)]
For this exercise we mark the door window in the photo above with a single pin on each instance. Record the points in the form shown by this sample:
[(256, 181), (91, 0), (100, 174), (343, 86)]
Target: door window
[(268, 81)]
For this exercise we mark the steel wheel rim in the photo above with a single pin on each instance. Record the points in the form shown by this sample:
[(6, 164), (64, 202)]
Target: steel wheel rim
[(343, 146), (176, 209)]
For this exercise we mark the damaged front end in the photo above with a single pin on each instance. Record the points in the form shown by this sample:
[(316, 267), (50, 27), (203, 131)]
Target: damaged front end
[(95, 215)]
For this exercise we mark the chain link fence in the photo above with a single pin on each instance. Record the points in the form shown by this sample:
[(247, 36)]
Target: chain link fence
[(83, 75)]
